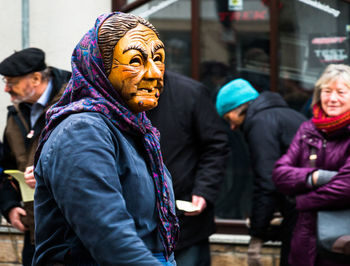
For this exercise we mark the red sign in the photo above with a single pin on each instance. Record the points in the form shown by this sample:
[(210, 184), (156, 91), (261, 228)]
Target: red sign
[(328, 40), (249, 15)]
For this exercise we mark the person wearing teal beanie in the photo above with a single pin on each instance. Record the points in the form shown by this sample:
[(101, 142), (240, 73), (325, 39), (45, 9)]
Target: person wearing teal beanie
[(268, 125), (234, 96)]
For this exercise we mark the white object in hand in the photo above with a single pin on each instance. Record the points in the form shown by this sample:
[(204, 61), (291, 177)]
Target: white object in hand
[(186, 206)]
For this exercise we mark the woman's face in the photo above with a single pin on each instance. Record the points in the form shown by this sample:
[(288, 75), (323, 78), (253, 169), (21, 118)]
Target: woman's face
[(335, 98), (138, 68)]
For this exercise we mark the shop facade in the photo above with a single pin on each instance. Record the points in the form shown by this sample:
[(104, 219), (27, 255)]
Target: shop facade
[(277, 45)]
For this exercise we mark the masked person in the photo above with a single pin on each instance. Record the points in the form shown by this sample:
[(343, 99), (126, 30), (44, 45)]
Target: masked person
[(103, 195), (33, 88), (268, 125)]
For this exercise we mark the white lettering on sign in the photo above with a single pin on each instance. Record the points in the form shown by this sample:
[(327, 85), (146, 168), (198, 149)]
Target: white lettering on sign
[(331, 55), (320, 6)]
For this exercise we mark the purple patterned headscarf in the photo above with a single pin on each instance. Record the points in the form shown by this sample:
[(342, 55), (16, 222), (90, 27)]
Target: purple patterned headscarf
[(89, 90)]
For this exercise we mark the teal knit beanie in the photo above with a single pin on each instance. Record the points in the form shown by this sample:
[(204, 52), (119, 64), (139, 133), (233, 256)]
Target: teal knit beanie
[(234, 94)]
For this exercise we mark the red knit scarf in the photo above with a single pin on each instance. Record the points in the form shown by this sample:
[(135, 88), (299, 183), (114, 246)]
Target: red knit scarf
[(329, 124)]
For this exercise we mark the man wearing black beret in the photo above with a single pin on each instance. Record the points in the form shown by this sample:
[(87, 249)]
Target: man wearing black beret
[(33, 88)]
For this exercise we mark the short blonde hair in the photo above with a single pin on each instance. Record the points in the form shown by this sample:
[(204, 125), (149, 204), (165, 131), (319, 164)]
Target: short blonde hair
[(330, 74)]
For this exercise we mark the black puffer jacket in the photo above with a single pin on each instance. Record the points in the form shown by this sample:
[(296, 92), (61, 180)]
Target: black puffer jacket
[(269, 128), (195, 150)]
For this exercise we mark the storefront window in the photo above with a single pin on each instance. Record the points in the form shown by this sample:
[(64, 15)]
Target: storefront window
[(172, 18), (235, 39), (235, 44), (312, 34)]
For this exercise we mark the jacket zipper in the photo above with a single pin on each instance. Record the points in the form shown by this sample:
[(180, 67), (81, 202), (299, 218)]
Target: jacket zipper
[(324, 145)]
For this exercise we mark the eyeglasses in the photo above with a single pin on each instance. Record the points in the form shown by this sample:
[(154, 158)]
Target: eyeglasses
[(10, 83)]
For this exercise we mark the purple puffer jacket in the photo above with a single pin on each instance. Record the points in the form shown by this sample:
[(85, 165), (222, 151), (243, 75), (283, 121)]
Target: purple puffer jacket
[(290, 174)]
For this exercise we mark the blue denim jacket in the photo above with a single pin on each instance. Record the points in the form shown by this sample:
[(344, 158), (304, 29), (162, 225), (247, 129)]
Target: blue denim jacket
[(95, 198)]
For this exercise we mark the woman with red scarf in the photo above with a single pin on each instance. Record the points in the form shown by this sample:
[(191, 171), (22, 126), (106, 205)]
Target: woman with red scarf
[(324, 184)]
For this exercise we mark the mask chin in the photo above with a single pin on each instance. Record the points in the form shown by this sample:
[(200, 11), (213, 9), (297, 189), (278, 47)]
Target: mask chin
[(142, 103)]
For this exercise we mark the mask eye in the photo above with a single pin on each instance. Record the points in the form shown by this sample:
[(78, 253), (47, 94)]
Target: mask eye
[(136, 61), (158, 58)]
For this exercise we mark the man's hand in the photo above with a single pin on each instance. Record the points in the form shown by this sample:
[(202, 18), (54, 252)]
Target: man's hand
[(199, 202), (29, 176), (15, 218)]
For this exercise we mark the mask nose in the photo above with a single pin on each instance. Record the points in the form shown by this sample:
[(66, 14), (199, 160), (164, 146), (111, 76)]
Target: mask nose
[(153, 71)]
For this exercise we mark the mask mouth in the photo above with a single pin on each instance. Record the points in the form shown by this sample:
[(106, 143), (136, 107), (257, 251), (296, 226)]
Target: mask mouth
[(146, 92)]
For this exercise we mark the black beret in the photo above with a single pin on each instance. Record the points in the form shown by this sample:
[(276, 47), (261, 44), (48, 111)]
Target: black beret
[(23, 62)]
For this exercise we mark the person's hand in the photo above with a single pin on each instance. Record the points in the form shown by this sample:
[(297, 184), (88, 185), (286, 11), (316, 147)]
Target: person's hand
[(199, 202), (321, 177), (254, 250), (29, 176), (15, 218), (314, 177)]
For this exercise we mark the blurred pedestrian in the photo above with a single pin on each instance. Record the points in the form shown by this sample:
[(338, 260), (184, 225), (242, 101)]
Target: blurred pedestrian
[(195, 148), (33, 88), (268, 125)]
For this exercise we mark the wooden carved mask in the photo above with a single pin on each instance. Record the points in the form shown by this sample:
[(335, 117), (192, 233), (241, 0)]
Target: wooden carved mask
[(137, 68)]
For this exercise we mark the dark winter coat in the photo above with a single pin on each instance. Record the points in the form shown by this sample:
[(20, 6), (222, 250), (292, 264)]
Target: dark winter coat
[(195, 150), (290, 174), (107, 162), (269, 128)]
